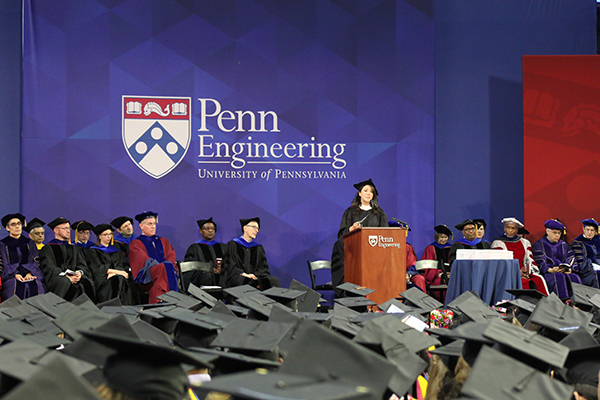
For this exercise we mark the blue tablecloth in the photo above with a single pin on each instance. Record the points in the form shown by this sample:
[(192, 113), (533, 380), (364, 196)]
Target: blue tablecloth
[(489, 279)]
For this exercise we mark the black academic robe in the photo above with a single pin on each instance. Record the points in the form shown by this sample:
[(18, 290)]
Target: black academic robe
[(483, 245), (250, 260), (369, 218), (206, 253), (58, 256), (99, 261)]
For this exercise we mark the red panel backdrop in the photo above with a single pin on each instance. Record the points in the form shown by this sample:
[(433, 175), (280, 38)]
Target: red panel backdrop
[(561, 112)]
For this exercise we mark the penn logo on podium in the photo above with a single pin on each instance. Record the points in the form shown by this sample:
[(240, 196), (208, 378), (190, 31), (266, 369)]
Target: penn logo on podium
[(156, 132), (373, 240)]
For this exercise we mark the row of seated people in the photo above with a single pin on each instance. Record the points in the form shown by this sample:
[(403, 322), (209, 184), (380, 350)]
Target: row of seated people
[(121, 265), (550, 265)]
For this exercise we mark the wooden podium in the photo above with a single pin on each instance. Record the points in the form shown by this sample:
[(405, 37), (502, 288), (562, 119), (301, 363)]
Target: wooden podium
[(376, 258)]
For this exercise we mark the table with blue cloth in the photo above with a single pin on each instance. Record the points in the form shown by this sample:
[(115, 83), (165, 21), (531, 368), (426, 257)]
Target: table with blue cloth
[(488, 278)]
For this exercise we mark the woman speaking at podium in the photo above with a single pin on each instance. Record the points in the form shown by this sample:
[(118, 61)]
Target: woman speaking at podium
[(363, 212)]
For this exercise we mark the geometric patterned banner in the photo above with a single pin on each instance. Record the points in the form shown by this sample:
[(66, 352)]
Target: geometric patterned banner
[(561, 110), (231, 110)]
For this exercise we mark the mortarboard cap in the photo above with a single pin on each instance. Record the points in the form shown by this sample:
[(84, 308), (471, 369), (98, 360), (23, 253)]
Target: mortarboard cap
[(82, 226), (202, 295), (582, 295), (536, 350), (86, 316), (443, 229), (358, 186), (466, 222), (50, 304), (554, 224), (34, 223), (519, 381), (261, 385), (244, 222), (397, 304), (452, 349), (244, 335), (56, 380), (287, 297), (6, 219), (583, 366), (57, 221), (181, 300), (22, 359), (201, 223), (198, 330), (523, 231), (512, 220), (14, 307), (227, 362), (590, 222), (237, 292), (480, 222), (309, 302), (358, 303), (352, 289), (100, 228), (552, 314), (579, 339), (146, 214), (18, 330), (417, 298), (259, 304), (150, 333), (342, 320), (523, 305), (531, 295), (319, 353), (119, 221), (474, 308)]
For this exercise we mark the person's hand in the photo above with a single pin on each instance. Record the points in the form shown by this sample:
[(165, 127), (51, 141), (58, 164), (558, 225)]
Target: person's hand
[(113, 272), (554, 270), (354, 226), (251, 276), (19, 277), (524, 275), (30, 277), (74, 278)]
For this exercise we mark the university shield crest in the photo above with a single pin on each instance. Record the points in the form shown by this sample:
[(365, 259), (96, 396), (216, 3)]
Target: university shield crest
[(156, 132), (373, 240)]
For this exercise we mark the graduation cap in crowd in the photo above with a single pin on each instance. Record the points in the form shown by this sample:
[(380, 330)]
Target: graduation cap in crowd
[(50, 304), (119, 221), (480, 222), (227, 362), (181, 300), (141, 369), (527, 346), (86, 316), (358, 186), (352, 289), (590, 222), (259, 304), (341, 321), (394, 305), (512, 220), (309, 302), (359, 304), (321, 354), (287, 297), (57, 379), (416, 298), (497, 376), (13, 307), (557, 318), (476, 310), (195, 329), (523, 231), (554, 224), (82, 226), (237, 292), (532, 296), (34, 223), (582, 295), (202, 295), (19, 330), (262, 384), (144, 215), (253, 338), (100, 228), (6, 219)]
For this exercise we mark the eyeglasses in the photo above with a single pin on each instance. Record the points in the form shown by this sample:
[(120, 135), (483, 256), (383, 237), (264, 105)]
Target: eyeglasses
[(63, 228), (253, 227), (106, 234), (15, 224), (208, 228)]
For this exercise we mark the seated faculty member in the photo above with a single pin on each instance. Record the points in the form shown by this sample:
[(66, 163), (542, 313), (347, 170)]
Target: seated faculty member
[(586, 248), (35, 229), (206, 250), (65, 271), (152, 259), (469, 240), (109, 268), (19, 261), (83, 231), (521, 248), (247, 259), (124, 234), (555, 259)]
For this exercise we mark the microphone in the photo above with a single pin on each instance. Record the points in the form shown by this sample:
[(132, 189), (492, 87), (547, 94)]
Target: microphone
[(403, 224)]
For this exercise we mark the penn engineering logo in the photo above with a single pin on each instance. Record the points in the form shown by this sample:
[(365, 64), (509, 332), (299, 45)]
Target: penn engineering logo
[(156, 132), (382, 241)]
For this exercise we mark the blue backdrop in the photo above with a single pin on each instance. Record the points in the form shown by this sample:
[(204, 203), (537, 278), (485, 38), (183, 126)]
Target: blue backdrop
[(349, 83)]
